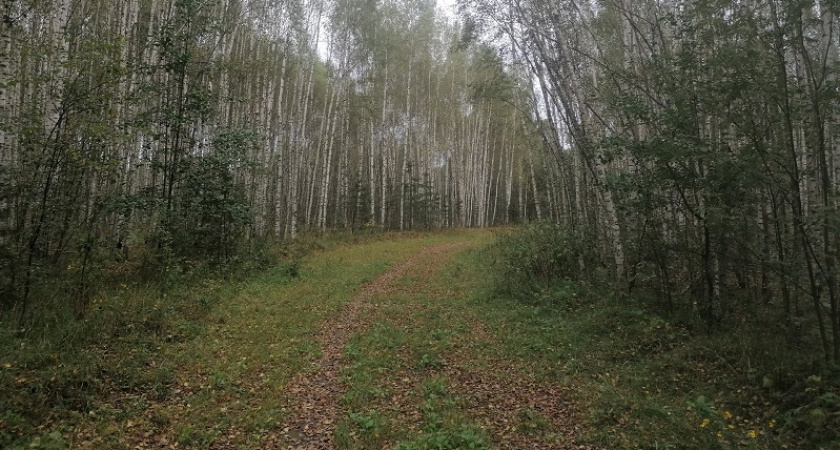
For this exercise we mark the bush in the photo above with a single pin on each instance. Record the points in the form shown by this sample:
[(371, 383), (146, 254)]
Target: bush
[(536, 256)]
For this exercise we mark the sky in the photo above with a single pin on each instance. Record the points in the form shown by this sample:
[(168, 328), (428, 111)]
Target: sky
[(447, 7)]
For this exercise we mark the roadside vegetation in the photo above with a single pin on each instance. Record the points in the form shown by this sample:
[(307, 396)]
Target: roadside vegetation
[(504, 343), (223, 339), (646, 376)]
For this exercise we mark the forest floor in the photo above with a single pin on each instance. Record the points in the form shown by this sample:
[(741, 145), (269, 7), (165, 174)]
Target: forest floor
[(374, 345), (406, 364), (399, 341)]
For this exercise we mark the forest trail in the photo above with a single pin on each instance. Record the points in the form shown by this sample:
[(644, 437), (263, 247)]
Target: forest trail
[(494, 396), (373, 345), (314, 406)]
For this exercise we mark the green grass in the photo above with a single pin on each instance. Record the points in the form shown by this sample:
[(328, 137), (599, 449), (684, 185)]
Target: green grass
[(209, 360), (644, 380), (189, 363), (397, 396)]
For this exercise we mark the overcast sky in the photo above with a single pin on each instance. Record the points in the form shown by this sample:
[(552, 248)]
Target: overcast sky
[(447, 6)]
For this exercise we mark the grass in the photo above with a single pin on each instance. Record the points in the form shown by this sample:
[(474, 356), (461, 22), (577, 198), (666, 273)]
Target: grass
[(644, 380), (186, 364), (205, 364), (397, 393)]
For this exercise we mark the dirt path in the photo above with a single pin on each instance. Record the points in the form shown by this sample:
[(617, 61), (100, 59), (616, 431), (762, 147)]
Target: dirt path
[(314, 407), (499, 398), (416, 359)]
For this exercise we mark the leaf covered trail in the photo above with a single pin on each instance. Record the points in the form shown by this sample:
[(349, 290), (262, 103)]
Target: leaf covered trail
[(376, 345), (507, 407), (314, 406)]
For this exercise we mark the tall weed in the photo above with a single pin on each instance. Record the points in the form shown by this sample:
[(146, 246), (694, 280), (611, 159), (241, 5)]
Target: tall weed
[(535, 257)]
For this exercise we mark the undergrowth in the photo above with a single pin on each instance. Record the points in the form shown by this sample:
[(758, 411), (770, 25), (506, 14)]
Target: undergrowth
[(647, 378), (62, 368), (107, 368)]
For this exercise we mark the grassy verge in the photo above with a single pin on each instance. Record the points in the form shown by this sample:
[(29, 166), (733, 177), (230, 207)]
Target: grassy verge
[(191, 364)]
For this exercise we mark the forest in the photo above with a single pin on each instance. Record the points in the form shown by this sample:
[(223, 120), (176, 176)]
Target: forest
[(193, 128), (679, 158)]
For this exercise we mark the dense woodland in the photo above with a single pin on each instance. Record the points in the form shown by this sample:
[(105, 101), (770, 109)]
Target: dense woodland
[(675, 159), (693, 147), (688, 149), (174, 129)]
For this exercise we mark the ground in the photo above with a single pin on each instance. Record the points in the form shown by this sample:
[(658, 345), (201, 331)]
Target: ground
[(408, 342), (373, 345)]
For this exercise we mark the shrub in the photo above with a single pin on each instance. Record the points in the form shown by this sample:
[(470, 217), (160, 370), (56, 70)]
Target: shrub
[(536, 256)]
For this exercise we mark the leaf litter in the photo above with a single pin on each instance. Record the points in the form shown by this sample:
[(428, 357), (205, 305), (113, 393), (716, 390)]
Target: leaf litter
[(314, 407), (496, 395), (511, 407)]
